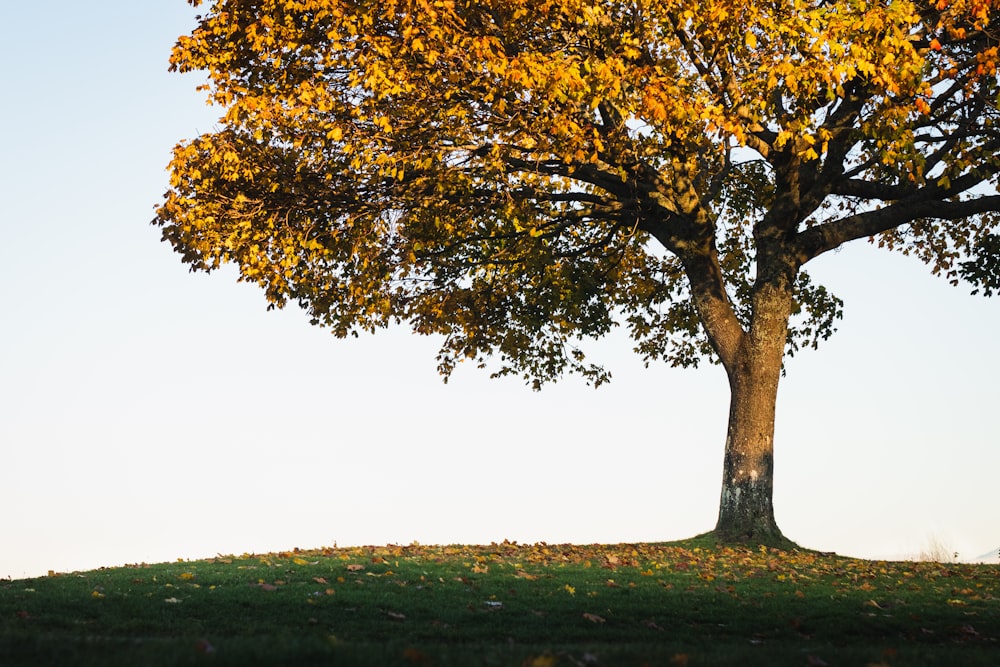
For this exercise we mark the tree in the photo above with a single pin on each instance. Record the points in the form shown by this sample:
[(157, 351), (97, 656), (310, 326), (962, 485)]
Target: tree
[(518, 176)]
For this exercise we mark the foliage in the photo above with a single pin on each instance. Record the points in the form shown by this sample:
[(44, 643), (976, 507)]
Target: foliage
[(517, 174), (509, 604)]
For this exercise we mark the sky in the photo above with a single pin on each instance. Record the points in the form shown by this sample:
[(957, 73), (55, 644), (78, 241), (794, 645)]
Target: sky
[(149, 414)]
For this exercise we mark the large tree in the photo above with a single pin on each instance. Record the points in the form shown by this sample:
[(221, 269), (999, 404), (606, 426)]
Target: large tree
[(517, 176)]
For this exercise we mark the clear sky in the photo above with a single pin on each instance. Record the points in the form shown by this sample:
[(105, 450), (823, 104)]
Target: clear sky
[(149, 414)]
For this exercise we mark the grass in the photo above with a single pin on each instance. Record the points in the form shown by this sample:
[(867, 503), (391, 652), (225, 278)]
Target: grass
[(687, 603)]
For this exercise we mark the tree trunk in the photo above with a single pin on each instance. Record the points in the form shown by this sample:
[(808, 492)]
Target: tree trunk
[(746, 509)]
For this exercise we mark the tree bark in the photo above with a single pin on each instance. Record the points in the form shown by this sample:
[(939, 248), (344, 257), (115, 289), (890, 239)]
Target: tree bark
[(746, 508)]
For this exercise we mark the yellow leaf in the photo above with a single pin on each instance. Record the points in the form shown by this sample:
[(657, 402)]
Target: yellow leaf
[(542, 661)]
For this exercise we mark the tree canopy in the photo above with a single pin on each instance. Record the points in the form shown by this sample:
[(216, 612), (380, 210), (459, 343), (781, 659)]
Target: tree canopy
[(517, 174)]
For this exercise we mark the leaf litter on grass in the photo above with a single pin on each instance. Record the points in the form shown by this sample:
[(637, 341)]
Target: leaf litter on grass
[(686, 601)]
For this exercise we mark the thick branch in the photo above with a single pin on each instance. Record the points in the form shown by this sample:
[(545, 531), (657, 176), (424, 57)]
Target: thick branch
[(715, 309), (700, 259), (817, 240), (852, 187)]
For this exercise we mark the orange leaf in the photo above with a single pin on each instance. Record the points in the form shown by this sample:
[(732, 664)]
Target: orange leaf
[(415, 656)]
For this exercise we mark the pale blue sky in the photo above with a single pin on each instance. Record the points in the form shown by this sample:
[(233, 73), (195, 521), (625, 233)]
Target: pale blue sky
[(149, 414)]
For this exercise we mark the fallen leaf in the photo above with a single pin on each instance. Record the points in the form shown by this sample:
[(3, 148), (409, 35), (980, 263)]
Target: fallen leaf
[(320, 580), (415, 656), (396, 616), (173, 601), (679, 659), (545, 660), (594, 618), (355, 567)]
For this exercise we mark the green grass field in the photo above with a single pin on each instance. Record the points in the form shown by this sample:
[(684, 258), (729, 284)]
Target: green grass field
[(687, 603)]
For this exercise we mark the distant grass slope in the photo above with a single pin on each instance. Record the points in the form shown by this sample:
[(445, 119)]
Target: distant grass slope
[(687, 603)]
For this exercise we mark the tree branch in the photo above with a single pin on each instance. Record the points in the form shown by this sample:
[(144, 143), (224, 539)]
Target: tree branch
[(822, 238)]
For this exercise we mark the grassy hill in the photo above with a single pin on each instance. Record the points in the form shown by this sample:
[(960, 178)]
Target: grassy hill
[(541, 605)]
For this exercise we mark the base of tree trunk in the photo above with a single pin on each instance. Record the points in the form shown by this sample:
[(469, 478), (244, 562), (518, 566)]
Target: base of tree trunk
[(773, 539)]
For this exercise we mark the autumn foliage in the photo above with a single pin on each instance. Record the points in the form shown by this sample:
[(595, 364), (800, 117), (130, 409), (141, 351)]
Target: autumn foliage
[(518, 175)]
